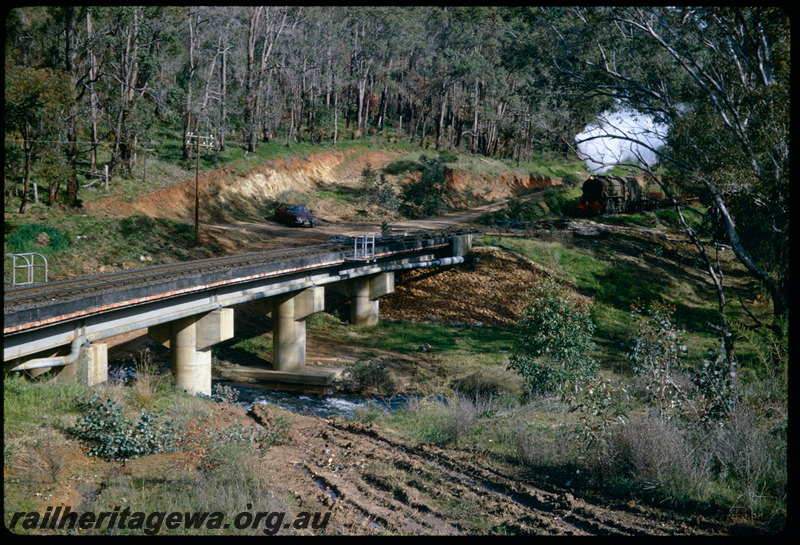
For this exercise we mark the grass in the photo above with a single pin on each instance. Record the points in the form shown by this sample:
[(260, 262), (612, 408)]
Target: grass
[(664, 218), (92, 242), (454, 341), (615, 282), (235, 483), (345, 195), (37, 419), (247, 351)]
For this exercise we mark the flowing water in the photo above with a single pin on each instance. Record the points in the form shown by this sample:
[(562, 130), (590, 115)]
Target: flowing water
[(312, 404), (323, 402)]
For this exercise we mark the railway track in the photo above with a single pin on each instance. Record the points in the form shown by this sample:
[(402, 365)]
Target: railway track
[(15, 298), (18, 298)]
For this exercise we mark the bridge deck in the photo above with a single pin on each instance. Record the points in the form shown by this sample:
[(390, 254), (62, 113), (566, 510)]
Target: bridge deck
[(49, 315)]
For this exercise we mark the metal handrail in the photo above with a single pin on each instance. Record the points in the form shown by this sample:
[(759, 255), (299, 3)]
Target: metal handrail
[(30, 264), (364, 247)]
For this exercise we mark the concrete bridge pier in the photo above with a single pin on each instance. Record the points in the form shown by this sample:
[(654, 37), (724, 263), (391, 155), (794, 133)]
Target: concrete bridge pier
[(364, 293), (289, 312), (190, 341), (192, 367), (86, 365), (91, 367)]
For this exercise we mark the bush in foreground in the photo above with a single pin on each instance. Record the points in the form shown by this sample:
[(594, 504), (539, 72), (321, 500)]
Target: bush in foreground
[(554, 345)]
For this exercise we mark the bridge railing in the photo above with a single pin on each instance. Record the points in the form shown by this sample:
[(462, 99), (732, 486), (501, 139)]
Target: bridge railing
[(28, 264), (364, 247)]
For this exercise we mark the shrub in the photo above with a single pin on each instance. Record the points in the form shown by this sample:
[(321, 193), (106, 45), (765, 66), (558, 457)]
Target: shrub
[(447, 156), (370, 377), (750, 460), (441, 420), (209, 445), (429, 195), (402, 166), (487, 382), (657, 357), (553, 348), (46, 456), (222, 393), (715, 380), (652, 452), (375, 189), (535, 448), (519, 210), (558, 203), (117, 438)]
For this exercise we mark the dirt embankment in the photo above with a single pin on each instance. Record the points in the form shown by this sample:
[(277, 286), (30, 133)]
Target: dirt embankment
[(491, 288), (226, 195), (377, 484)]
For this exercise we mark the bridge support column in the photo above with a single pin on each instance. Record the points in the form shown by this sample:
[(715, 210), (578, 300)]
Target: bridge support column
[(190, 341), (364, 294), (90, 369), (289, 312), (192, 367), (461, 245)]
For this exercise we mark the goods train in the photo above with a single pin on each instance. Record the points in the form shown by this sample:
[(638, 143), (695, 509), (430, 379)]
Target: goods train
[(615, 194)]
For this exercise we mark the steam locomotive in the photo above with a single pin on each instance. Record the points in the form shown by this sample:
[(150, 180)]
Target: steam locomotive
[(612, 195)]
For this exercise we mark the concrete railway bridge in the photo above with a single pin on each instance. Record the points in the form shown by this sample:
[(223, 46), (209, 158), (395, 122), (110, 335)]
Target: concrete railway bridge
[(59, 327)]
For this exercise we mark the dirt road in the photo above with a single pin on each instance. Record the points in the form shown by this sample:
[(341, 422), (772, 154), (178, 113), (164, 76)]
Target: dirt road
[(270, 235)]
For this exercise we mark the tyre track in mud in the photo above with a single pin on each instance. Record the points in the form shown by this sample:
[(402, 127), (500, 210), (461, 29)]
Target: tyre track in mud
[(406, 489)]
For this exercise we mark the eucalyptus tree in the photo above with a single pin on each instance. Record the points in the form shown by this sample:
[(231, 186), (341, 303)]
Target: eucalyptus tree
[(129, 70), (266, 24), (36, 103), (718, 78)]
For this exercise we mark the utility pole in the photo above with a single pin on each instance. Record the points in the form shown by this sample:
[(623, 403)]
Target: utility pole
[(207, 143)]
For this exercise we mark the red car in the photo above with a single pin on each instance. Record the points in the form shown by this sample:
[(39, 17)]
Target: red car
[(294, 214)]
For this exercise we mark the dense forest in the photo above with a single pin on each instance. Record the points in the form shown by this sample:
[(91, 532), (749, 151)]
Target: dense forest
[(506, 82)]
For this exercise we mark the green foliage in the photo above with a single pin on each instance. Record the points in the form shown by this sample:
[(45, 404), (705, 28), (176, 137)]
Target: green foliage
[(222, 393), (447, 156), (601, 404), (402, 166), (657, 356), (429, 195), (111, 436), (555, 202), (518, 210), (553, 349), (771, 347), (276, 433), (35, 97), (558, 203), (370, 377), (715, 379), (28, 238), (375, 189)]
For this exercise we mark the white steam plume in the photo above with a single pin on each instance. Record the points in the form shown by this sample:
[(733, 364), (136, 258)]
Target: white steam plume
[(620, 135)]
